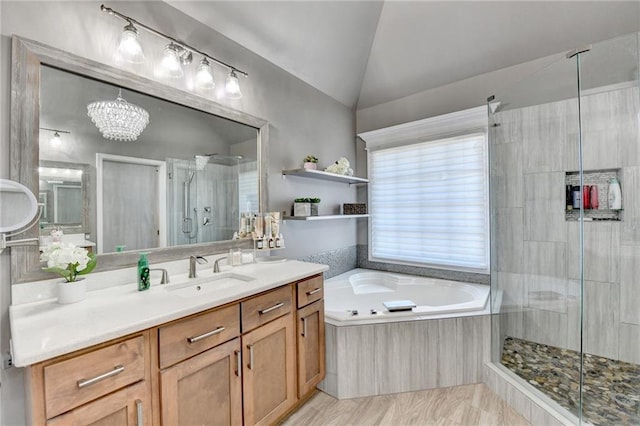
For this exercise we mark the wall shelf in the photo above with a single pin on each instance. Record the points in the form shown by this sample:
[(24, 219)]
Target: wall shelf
[(318, 174), (326, 217)]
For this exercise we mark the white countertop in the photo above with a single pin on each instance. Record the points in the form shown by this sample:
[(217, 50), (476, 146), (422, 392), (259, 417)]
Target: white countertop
[(44, 329)]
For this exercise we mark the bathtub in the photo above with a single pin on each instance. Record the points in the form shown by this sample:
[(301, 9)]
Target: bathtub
[(357, 297), (442, 342)]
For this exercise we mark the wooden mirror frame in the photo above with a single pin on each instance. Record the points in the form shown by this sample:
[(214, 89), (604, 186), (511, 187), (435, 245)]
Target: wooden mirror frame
[(27, 58)]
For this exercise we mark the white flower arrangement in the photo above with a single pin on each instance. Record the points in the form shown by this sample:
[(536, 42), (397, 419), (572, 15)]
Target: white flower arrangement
[(68, 261), (340, 167)]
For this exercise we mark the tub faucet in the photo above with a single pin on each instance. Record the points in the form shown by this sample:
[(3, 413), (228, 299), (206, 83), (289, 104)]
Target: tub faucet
[(165, 275), (216, 265), (192, 264)]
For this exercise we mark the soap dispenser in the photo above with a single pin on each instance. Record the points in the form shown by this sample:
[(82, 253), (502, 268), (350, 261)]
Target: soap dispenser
[(144, 281)]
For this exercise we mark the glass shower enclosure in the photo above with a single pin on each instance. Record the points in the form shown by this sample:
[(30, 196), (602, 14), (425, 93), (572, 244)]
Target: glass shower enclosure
[(565, 264)]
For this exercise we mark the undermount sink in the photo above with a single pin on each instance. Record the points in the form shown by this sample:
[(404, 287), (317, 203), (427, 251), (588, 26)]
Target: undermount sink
[(200, 286)]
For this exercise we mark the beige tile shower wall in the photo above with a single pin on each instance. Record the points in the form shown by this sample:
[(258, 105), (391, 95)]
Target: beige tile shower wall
[(379, 359), (537, 251)]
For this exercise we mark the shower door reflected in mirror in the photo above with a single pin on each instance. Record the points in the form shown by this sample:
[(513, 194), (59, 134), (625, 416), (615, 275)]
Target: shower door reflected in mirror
[(205, 157)]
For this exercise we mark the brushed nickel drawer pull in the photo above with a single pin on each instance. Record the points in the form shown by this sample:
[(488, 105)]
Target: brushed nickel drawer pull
[(239, 364), (140, 417), (273, 308), (314, 291), (304, 327), (250, 347), (82, 383), (205, 335)]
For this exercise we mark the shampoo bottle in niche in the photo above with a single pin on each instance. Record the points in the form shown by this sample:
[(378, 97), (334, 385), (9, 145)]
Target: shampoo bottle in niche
[(144, 281), (615, 195)]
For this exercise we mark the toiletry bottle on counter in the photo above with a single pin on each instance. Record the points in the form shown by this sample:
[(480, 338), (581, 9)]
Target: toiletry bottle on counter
[(144, 281), (615, 195)]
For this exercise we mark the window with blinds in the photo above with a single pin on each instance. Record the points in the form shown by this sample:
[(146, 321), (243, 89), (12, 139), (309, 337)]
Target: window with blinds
[(429, 203)]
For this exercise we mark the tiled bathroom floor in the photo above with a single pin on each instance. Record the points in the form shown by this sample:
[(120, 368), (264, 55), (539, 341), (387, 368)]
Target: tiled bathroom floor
[(466, 405), (612, 388)]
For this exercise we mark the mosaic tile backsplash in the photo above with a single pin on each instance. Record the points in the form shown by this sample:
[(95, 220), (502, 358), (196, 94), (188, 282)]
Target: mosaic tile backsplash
[(611, 388), (340, 260)]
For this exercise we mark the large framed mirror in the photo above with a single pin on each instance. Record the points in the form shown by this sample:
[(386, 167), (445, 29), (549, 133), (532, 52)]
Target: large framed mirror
[(177, 190)]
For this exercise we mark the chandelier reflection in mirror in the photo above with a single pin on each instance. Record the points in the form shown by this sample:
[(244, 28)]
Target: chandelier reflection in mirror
[(177, 54), (118, 120)]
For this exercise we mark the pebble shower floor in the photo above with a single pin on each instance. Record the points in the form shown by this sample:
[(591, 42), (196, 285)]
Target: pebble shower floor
[(611, 388)]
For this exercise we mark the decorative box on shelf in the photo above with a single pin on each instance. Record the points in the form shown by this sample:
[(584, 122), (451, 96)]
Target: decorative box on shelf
[(354, 208)]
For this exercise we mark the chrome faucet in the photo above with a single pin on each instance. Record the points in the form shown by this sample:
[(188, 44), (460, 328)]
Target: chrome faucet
[(216, 265), (192, 264), (165, 275)]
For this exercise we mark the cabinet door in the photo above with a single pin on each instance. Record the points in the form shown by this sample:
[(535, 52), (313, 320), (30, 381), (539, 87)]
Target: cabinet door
[(205, 389), (127, 407), (269, 371), (311, 347)]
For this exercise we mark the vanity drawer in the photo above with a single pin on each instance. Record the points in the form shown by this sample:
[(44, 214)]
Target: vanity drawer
[(310, 290), (190, 336), (262, 309), (77, 380)]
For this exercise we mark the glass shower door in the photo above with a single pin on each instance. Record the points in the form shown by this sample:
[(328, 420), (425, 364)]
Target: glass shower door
[(536, 204), (609, 114)]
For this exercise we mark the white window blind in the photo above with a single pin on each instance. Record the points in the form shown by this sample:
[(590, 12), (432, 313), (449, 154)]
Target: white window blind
[(429, 203)]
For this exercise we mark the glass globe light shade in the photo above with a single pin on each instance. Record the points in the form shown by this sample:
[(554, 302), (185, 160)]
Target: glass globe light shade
[(56, 140), (204, 77), (171, 61), (233, 86), (129, 47)]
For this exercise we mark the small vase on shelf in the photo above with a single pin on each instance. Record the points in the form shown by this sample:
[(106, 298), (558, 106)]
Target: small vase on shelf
[(310, 166), (72, 292)]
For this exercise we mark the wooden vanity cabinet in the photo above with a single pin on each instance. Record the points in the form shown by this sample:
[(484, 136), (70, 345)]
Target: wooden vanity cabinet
[(269, 356), (310, 334), (205, 389), (250, 362), (103, 385)]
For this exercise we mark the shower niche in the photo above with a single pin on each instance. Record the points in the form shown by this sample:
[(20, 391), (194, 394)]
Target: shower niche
[(596, 210)]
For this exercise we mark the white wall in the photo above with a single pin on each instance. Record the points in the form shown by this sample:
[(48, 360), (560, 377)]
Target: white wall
[(463, 94), (302, 121)]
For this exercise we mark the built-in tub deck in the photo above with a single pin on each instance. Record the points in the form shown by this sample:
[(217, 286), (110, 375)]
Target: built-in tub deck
[(443, 341), (358, 296)]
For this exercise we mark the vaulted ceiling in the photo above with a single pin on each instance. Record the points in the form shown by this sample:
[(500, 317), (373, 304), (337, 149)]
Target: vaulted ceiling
[(365, 53)]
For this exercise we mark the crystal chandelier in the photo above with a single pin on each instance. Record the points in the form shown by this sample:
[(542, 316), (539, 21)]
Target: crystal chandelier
[(118, 120)]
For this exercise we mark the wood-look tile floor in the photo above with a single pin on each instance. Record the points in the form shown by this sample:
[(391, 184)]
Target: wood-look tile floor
[(460, 405)]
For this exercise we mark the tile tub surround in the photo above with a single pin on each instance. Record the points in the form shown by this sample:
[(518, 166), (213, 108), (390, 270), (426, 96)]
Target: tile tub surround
[(380, 359), (44, 329), (339, 260), (612, 388)]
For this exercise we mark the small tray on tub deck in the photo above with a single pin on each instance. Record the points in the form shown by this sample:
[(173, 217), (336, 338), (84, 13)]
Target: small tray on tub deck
[(399, 305)]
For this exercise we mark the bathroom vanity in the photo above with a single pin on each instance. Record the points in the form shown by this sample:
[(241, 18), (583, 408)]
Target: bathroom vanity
[(243, 354)]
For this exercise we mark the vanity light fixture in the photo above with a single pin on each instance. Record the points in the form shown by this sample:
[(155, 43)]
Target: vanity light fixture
[(232, 87), (56, 139), (176, 55), (129, 47), (118, 120)]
